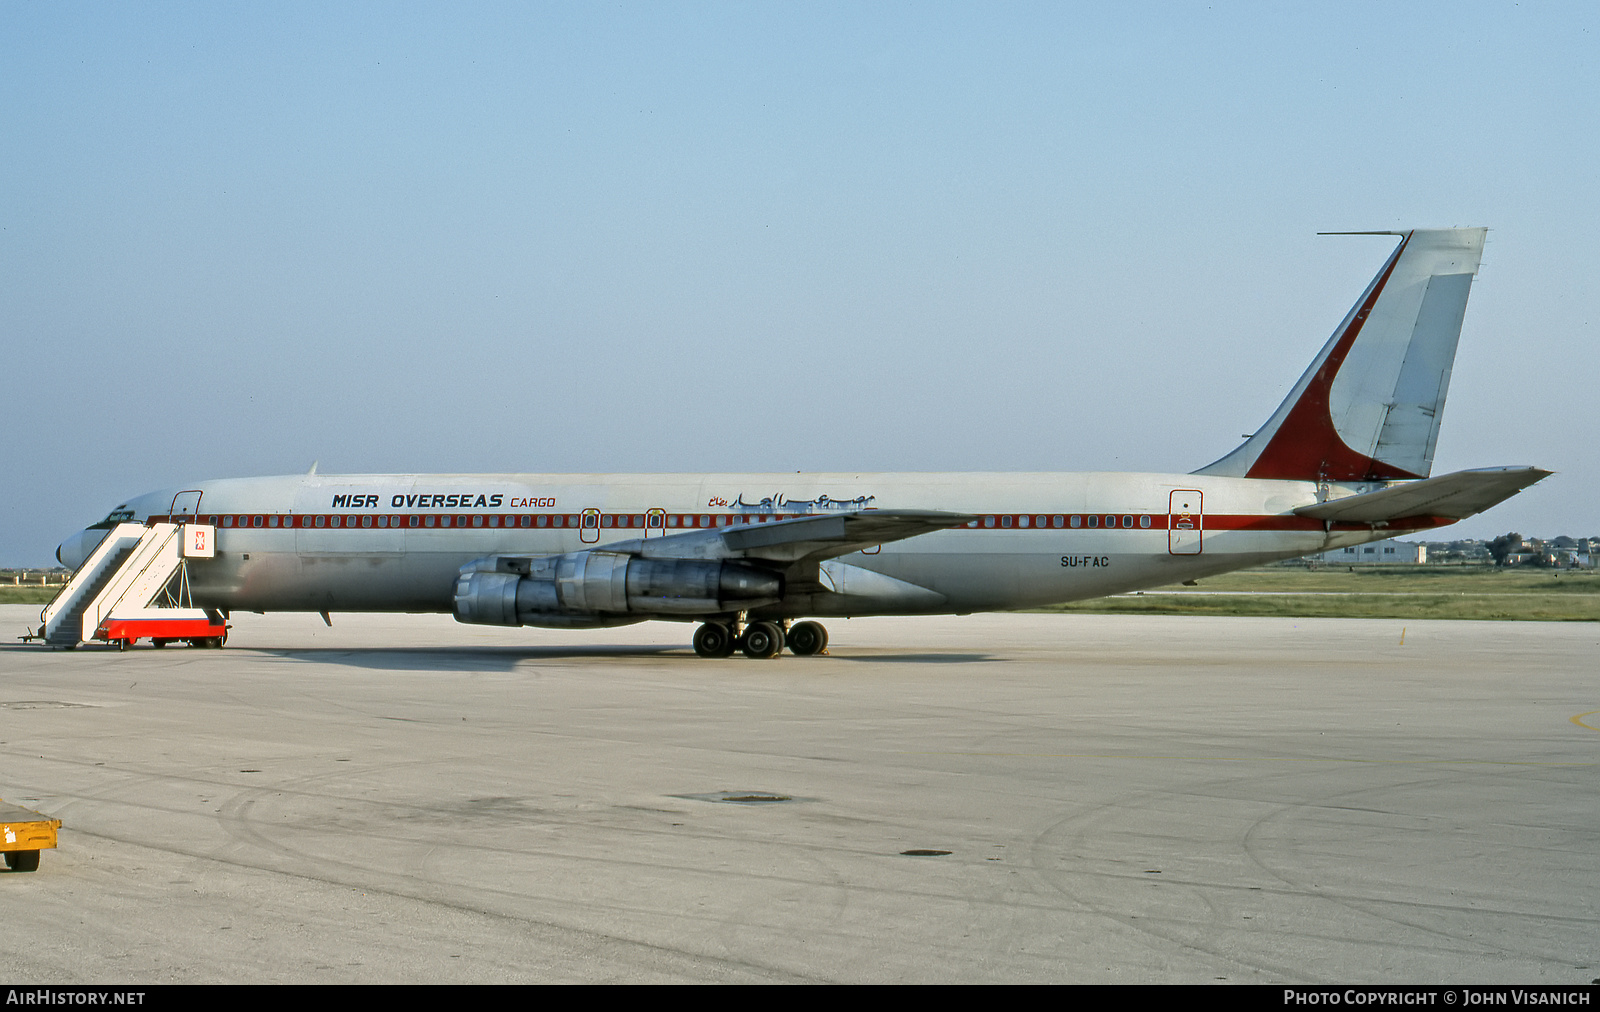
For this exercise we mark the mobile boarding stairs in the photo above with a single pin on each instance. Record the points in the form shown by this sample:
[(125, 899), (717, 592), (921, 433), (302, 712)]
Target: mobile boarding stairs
[(136, 586)]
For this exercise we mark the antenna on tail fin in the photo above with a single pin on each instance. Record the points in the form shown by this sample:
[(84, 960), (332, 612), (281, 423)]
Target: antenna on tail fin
[(1369, 406)]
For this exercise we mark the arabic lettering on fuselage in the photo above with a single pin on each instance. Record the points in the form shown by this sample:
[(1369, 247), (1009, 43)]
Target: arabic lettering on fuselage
[(781, 503)]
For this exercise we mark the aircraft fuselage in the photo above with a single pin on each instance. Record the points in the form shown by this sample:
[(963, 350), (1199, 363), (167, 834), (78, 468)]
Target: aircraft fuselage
[(397, 542)]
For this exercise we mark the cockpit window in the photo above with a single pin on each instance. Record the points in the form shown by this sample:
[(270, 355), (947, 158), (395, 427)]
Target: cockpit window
[(120, 515)]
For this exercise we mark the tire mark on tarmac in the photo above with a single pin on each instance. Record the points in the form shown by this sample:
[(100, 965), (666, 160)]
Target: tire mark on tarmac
[(1389, 910), (688, 963), (1046, 856)]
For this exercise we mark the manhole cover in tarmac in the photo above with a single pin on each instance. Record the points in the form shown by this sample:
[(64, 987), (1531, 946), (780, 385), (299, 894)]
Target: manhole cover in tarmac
[(740, 797)]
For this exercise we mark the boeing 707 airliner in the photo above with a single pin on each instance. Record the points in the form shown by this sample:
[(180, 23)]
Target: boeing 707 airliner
[(755, 559)]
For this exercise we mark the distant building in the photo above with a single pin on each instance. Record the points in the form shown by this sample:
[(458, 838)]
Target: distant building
[(1375, 553)]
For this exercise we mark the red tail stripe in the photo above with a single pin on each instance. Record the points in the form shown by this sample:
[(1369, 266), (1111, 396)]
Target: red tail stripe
[(1306, 446)]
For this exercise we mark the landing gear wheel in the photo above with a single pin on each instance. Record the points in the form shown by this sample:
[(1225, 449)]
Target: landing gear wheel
[(713, 640), (807, 639), (762, 640), (158, 643), (22, 860)]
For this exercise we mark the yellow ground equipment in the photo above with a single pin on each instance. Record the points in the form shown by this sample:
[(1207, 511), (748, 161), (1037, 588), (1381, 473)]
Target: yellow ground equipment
[(23, 834)]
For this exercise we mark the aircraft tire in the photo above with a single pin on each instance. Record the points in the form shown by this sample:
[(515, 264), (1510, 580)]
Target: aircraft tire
[(22, 860), (713, 640), (158, 643), (807, 639), (762, 640)]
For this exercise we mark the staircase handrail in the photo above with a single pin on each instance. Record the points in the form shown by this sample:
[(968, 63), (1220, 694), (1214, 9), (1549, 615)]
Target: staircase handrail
[(147, 554), (88, 569)]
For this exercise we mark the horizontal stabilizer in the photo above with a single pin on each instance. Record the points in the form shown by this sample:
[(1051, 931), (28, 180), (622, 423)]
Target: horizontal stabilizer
[(1457, 496)]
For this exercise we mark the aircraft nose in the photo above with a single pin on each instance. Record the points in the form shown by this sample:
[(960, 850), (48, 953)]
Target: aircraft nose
[(74, 550)]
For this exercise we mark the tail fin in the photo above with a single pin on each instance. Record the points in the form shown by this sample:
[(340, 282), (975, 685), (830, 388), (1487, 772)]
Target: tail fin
[(1368, 408)]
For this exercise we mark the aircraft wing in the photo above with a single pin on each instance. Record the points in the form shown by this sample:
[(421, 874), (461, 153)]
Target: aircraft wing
[(1456, 496), (803, 539)]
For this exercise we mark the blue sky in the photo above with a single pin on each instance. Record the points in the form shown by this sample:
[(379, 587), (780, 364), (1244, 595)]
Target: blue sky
[(235, 239)]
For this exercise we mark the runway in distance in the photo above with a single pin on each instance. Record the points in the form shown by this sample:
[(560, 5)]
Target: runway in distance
[(1345, 459)]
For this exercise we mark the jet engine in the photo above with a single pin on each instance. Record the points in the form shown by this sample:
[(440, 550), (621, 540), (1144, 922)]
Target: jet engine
[(586, 589)]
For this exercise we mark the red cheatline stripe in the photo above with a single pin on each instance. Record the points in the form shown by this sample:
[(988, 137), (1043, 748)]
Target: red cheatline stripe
[(677, 522)]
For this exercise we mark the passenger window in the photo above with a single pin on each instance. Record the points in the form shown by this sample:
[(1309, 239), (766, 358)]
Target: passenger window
[(1094, 521)]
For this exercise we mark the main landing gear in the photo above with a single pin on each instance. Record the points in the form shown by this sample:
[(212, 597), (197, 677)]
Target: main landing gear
[(760, 640)]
